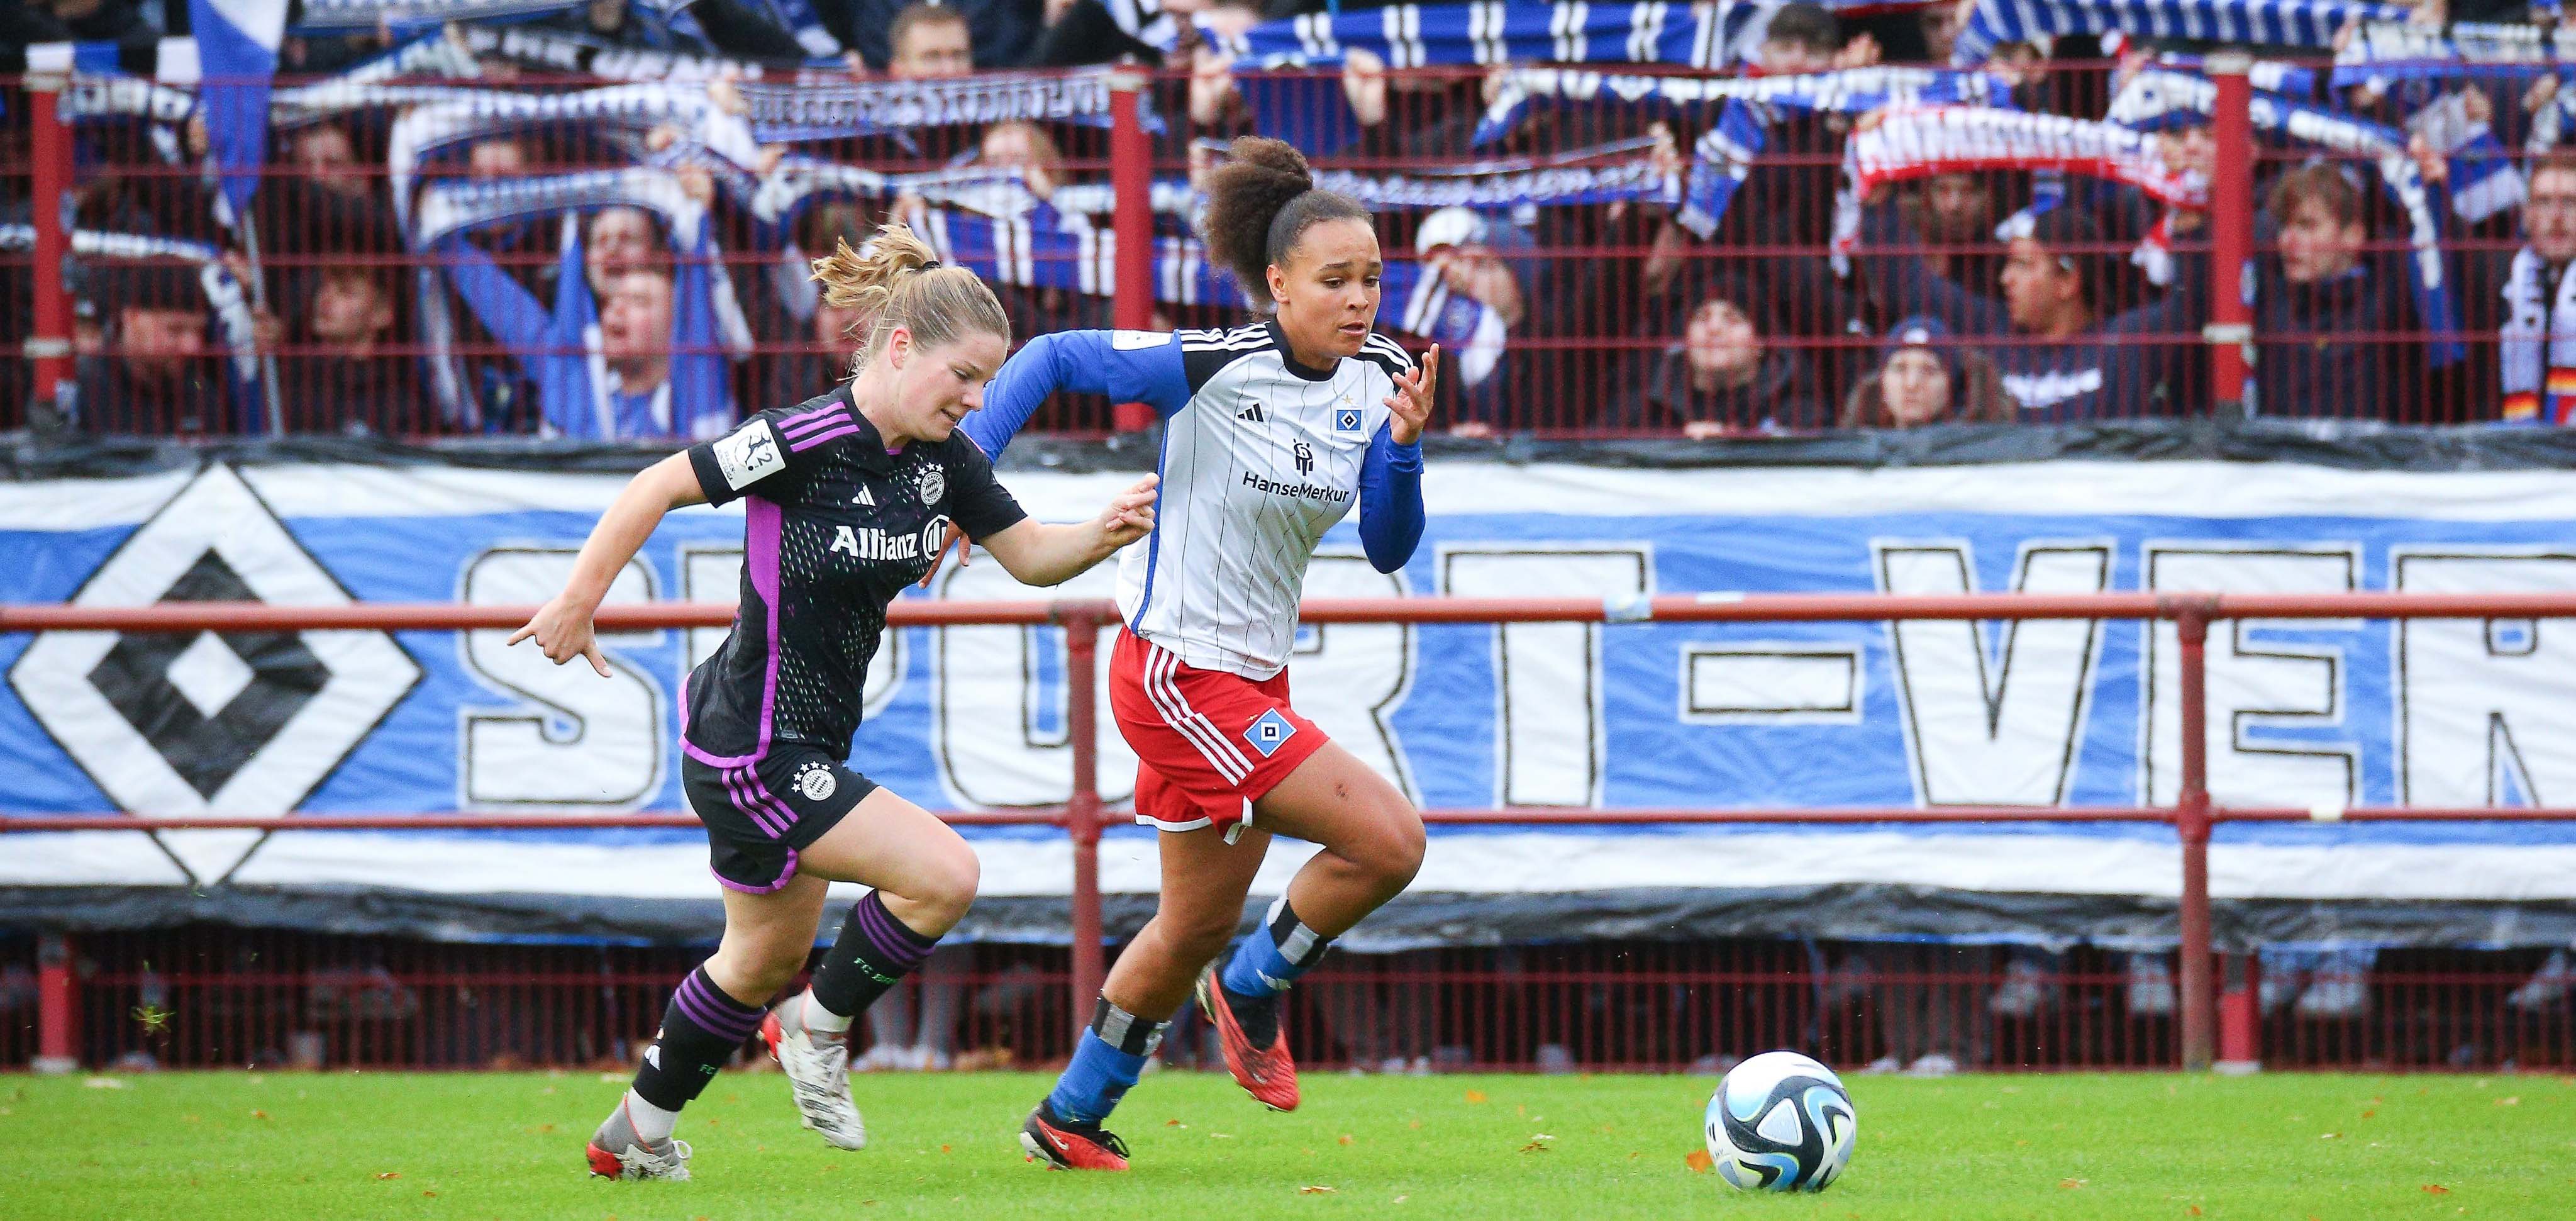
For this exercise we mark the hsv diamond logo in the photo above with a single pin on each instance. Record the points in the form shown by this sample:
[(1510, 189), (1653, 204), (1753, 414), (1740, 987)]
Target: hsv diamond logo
[(211, 722)]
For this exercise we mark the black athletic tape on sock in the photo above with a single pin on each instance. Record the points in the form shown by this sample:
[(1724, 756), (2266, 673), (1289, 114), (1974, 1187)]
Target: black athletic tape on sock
[(1300, 945), (1125, 1031)]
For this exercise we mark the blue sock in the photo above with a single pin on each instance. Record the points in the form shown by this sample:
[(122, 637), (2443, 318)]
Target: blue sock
[(1107, 1059), (1271, 957)]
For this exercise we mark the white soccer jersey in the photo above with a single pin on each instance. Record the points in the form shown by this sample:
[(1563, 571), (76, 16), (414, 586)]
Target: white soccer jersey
[(1261, 456)]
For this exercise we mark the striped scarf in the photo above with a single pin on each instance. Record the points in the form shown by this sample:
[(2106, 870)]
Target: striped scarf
[(344, 16), (2537, 345), (2274, 23), (582, 55), (1724, 155), (2382, 52), (1705, 35), (784, 112), (1517, 91), (2156, 100), (1913, 144)]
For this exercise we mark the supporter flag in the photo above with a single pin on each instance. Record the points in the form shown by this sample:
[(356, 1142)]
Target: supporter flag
[(237, 52)]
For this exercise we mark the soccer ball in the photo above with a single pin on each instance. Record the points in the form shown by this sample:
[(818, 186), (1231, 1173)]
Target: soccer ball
[(1781, 1122)]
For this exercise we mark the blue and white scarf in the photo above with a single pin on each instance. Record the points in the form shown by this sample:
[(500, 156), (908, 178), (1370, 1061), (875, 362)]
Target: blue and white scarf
[(344, 16), (2271, 23), (582, 55), (1705, 35), (784, 112), (2153, 101), (2269, 75), (2382, 52), (1517, 91), (1724, 155), (462, 116), (574, 388)]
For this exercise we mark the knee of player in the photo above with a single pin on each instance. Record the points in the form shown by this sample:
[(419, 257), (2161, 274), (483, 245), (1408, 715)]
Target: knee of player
[(761, 970), (1204, 935), (948, 886), (1395, 852)]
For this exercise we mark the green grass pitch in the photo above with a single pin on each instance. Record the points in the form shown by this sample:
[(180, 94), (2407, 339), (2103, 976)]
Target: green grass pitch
[(278, 1146)]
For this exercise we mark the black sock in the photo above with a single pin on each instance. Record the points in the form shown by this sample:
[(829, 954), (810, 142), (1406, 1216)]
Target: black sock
[(873, 953), (700, 1032)]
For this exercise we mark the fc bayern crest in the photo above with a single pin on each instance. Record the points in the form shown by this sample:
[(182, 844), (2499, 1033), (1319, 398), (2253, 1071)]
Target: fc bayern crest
[(934, 484), (815, 781)]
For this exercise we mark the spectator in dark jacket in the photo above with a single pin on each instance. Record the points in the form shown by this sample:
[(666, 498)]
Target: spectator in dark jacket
[(1925, 377), (2070, 361), (902, 37), (1723, 377), (2328, 319), (159, 374), (357, 377)]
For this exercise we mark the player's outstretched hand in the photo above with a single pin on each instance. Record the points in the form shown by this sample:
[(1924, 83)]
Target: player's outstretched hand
[(1411, 401), (1130, 515), (564, 631)]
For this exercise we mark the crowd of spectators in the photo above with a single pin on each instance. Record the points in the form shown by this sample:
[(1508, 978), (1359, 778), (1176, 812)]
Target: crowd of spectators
[(1984, 296)]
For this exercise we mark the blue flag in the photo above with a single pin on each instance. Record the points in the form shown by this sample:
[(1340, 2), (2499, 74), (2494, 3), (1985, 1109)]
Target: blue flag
[(237, 52)]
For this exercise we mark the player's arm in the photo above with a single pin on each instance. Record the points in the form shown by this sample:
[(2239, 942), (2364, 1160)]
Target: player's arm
[(1391, 474), (1128, 366), (562, 627), (1039, 554)]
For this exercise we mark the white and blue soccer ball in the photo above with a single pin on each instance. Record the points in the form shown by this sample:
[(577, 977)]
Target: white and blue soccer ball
[(1781, 1122)]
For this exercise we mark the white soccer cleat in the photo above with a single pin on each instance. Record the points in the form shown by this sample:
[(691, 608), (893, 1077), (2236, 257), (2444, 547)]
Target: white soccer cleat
[(818, 1071), (617, 1152)]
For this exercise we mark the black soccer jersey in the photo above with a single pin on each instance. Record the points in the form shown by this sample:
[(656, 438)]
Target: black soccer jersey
[(835, 528)]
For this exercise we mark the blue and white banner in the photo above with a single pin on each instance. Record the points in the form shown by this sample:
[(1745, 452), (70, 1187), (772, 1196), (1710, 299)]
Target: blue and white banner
[(2314, 715)]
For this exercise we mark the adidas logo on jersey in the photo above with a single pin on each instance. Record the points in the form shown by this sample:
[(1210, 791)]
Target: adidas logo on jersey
[(1253, 414), (865, 497)]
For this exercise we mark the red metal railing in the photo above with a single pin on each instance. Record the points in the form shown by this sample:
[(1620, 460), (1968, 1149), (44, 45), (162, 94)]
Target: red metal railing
[(2198, 1023), (1615, 319)]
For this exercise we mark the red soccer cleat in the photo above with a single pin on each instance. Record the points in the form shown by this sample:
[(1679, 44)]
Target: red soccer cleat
[(1071, 1146), (1266, 1073)]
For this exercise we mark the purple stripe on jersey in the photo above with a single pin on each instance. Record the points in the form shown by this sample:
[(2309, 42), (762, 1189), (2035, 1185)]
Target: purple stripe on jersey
[(816, 418), (785, 875), (812, 439), (760, 534), (897, 950), (738, 787)]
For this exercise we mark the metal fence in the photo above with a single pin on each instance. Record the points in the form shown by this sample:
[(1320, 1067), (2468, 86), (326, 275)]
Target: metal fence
[(1721, 267), (1606, 1005)]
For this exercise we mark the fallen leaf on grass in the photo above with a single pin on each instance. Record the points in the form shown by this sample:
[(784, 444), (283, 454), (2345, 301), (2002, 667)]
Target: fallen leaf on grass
[(1174, 1123), (2368, 1114), (2328, 1135), (1314, 1189), (430, 1194), (2436, 1189), (2071, 1184), (1699, 1161), (2510, 1100), (104, 1083), (259, 1114), (390, 1174), (2195, 1210), (1402, 1199), (1475, 1096), (1344, 1138)]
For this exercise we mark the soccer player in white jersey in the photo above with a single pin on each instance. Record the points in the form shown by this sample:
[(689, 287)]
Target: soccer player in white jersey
[(1270, 431)]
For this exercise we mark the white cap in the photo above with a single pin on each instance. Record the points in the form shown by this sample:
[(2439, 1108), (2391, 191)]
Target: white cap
[(1450, 226)]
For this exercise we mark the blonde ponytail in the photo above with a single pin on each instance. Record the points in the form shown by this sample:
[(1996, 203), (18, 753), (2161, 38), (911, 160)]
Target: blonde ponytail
[(898, 282)]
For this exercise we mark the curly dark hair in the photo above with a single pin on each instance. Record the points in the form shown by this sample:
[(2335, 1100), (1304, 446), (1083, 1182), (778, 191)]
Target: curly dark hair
[(1259, 203)]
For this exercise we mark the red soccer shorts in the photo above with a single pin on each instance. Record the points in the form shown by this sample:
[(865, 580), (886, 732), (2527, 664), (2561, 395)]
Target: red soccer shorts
[(1208, 744)]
